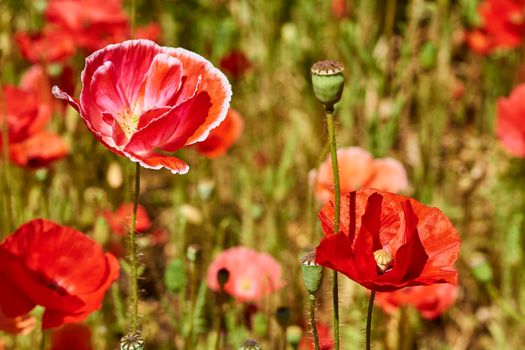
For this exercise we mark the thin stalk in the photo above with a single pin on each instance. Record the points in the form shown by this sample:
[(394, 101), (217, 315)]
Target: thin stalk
[(369, 318), (193, 300), (313, 322), (6, 188), (133, 11), (133, 257), (43, 341), (337, 207)]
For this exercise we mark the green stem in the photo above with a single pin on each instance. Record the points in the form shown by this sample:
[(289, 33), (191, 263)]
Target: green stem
[(369, 318), (133, 256), (43, 340), (189, 340), (133, 15), (337, 208), (313, 322), (6, 189)]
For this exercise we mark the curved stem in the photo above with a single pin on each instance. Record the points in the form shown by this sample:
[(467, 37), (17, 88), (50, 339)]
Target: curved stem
[(133, 256), (337, 207), (369, 318), (313, 323)]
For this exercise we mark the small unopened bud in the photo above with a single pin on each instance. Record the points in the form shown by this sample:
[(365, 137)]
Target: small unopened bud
[(250, 344), (383, 260), (328, 82), (223, 275), (282, 314), (132, 341), (193, 252), (312, 273), (294, 335)]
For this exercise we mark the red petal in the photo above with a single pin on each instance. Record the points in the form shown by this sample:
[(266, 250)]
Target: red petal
[(162, 81), (107, 91), (156, 161)]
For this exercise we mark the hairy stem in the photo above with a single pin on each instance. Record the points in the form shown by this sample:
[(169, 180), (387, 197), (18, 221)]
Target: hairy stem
[(313, 322), (133, 257), (369, 318), (337, 201)]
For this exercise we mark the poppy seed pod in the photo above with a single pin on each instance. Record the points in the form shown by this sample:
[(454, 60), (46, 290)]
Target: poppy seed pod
[(312, 273), (223, 275), (132, 341), (328, 82), (283, 317), (293, 335), (250, 344)]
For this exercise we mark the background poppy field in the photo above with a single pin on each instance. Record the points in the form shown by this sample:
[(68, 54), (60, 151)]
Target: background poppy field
[(432, 98)]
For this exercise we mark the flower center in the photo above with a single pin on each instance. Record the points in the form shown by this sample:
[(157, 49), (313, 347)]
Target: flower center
[(383, 260), (128, 121)]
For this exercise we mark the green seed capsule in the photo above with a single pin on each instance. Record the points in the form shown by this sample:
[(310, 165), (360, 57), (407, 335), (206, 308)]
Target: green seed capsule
[(312, 273), (294, 335), (328, 82), (250, 344), (132, 341)]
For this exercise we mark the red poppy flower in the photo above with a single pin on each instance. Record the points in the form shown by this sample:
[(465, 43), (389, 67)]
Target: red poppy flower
[(510, 128), (222, 137), (431, 301), (17, 325), (235, 63), (93, 23), (71, 336), (138, 98), (387, 241), (339, 8), (479, 42), (252, 275), (357, 169), (56, 267), (120, 220), (39, 150), (503, 24), (53, 44)]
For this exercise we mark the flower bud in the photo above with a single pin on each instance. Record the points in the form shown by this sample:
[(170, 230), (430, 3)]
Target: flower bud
[(250, 344), (283, 317), (294, 335), (132, 341), (193, 252), (328, 82), (312, 273)]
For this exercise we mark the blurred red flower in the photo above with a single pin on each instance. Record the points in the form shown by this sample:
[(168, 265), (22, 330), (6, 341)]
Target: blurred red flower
[(28, 109), (339, 8), (120, 220), (431, 301), (326, 340), (235, 63), (357, 169), (387, 241), (71, 336), (503, 25), (51, 45), (138, 98), (17, 325), (92, 23), (252, 275), (510, 126), (222, 137), (54, 266)]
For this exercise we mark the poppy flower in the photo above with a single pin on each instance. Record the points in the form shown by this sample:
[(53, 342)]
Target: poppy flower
[(51, 45), (252, 275), (235, 63), (38, 151), (503, 24), (326, 340), (339, 8), (120, 220), (28, 111), (510, 128), (93, 23), (54, 266), (431, 301), (138, 98), (479, 42), (71, 336), (358, 169), (222, 137), (388, 241), (17, 325)]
